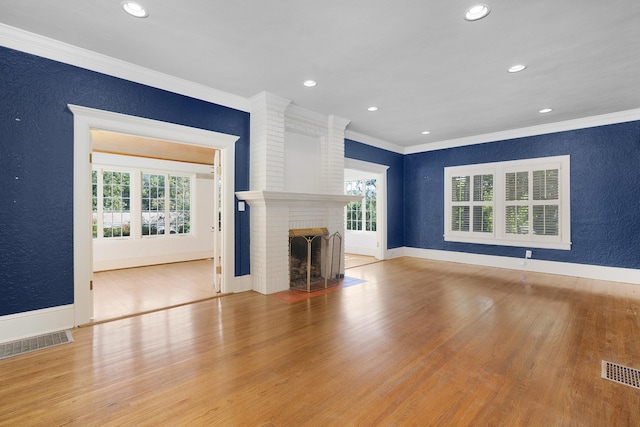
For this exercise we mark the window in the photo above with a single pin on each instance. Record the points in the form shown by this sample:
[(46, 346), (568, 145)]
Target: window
[(153, 205), (532, 202), (180, 204), (111, 203), (361, 215), (354, 209), (472, 203), (517, 203), (162, 210), (162, 202)]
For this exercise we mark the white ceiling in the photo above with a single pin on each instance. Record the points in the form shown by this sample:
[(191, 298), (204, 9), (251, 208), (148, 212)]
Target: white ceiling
[(420, 62)]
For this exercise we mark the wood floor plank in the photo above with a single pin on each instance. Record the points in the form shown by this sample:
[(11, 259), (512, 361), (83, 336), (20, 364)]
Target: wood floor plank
[(417, 343), (130, 291)]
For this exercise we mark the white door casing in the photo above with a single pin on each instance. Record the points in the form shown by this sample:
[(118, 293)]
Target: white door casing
[(381, 207), (86, 119)]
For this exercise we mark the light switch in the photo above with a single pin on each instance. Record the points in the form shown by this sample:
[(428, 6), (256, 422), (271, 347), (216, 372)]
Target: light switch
[(240, 206)]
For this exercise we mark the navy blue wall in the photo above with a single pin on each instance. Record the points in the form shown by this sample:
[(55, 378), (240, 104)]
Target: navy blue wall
[(605, 200), (395, 187), (36, 167), (36, 171)]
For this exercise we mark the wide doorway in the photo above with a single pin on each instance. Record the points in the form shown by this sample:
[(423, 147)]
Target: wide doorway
[(86, 122), (155, 224), (366, 225)]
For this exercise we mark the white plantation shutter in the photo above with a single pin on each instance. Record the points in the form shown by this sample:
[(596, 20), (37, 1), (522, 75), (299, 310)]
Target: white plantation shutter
[(515, 203), (545, 188), (483, 203), (472, 203), (532, 205), (460, 188), (517, 206)]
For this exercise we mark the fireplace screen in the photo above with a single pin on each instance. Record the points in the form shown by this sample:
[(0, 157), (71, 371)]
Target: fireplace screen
[(314, 259)]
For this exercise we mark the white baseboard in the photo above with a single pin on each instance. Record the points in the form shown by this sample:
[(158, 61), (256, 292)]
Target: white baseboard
[(612, 274), (360, 250), (37, 322), (242, 283), (153, 260)]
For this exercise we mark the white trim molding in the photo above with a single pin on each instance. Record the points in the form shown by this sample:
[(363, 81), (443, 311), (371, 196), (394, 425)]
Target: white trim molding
[(581, 123), (37, 322), (374, 142), (243, 283), (381, 231), (611, 274), (361, 165), (15, 38), (86, 119), (498, 234)]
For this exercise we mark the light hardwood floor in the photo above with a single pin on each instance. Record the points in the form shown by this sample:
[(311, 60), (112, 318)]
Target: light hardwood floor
[(355, 260), (419, 343), (119, 293)]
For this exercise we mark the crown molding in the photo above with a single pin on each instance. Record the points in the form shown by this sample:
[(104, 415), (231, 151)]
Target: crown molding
[(338, 122), (375, 142), (45, 47), (268, 100), (361, 165), (582, 123)]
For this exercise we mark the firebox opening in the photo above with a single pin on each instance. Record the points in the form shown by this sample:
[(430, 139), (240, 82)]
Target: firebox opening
[(314, 259)]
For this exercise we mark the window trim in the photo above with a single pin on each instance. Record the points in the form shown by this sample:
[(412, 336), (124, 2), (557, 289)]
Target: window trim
[(499, 236), (100, 169), (135, 194)]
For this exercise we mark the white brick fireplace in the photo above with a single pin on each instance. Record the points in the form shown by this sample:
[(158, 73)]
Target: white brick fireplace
[(297, 181)]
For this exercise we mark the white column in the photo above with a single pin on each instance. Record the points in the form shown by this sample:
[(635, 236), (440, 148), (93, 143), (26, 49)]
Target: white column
[(267, 142), (269, 225), (333, 156)]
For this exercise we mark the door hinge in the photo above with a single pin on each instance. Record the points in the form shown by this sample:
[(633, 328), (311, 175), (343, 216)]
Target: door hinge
[(90, 285)]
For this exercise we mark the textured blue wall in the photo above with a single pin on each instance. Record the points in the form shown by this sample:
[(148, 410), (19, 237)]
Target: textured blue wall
[(36, 167), (36, 171), (605, 200), (395, 186)]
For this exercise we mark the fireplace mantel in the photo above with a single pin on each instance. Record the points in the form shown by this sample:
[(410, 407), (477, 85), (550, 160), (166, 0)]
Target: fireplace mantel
[(283, 198)]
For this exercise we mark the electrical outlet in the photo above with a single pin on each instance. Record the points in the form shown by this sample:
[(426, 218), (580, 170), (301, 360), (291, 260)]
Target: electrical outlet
[(527, 254)]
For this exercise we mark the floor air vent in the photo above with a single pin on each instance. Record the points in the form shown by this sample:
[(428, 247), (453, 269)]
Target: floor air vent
[(621, 374), (27, 345)]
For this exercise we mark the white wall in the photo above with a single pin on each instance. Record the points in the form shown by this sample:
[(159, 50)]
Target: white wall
[(302, 163), (361, 243), (138, 251)]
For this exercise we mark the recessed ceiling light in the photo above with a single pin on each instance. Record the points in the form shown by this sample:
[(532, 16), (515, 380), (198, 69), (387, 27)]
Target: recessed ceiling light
[(545, 110), (426, 132), (310, 83), (476, 12), (372, 108), (134, 9), (516, 68)]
